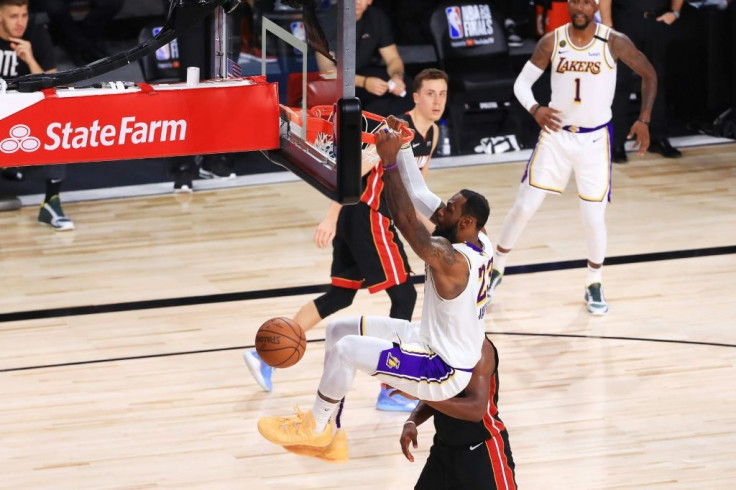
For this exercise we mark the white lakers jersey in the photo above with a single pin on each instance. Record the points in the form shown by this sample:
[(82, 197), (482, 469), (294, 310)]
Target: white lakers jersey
[(455, 328), (583, 78)]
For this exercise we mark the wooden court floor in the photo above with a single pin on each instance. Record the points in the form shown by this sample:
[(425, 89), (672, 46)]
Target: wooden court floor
[(110, 380)]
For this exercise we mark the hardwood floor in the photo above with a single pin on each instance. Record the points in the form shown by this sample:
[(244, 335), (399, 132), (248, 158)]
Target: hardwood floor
[(158, 397)]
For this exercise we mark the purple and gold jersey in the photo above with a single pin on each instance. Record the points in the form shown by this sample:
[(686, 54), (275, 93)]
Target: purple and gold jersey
[(583, 79), (455, 328)]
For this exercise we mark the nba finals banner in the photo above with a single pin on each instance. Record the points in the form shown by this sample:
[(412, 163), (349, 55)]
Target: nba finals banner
[(469, 25)]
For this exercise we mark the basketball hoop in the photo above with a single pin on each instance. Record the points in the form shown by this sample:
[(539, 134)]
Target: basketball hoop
[(320, 131)]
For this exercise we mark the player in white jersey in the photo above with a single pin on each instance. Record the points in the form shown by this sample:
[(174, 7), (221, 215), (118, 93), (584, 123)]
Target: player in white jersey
[(576, 131), (434, 358)]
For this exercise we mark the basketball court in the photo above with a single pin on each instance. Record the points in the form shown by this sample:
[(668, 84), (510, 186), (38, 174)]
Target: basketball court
[(122, 341)]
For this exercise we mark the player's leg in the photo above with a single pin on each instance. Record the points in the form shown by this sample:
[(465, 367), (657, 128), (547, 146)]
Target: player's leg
[(313, 428), (351, 344), (51, 212), (528, 200), (593, 179), (403, 298), (311, 313), (380, 255), (346, 278), (593, 215), (546, 172)]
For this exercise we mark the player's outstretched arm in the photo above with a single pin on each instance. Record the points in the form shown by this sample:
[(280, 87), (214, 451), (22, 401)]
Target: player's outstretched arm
[(435, 251), (473, 406), (425, 201), (623, 49)]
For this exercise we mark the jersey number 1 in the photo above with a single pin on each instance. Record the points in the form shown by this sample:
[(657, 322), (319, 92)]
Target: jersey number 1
[(577, 90)]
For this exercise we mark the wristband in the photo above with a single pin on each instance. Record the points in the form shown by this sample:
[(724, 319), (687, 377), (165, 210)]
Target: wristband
[(537, 108), (392, 166), (410, 422), (365, 80), (676, 13), (644, 121)]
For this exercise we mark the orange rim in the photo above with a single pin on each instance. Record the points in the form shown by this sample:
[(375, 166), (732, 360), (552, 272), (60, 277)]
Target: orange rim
[(318, 121)]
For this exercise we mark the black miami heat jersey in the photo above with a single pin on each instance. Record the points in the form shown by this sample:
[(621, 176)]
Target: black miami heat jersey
[(421, 146), (455, 432), (471, 454)]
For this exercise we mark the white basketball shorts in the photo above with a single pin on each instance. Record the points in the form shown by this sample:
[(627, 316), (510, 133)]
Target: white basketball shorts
[(586, 152), (411, 366)]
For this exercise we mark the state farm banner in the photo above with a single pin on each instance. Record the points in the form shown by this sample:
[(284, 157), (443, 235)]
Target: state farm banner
[(470, 25), (85, 125)]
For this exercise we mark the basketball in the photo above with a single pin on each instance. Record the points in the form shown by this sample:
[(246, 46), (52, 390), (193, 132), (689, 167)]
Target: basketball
[(280, 342)]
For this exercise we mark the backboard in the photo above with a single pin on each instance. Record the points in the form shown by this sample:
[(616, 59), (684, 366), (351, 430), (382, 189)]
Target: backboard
[(301, 29)]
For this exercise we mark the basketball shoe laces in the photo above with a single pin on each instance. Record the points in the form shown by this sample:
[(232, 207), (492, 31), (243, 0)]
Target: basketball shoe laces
[(292, 425)]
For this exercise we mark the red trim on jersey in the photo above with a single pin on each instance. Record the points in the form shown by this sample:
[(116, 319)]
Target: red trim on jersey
[(495, 445), (388, 253), (374, 188), (346, 283)]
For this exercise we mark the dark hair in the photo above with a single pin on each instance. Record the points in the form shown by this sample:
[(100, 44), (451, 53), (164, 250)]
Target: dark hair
[(476, 205), (428, 74), (17, 3)]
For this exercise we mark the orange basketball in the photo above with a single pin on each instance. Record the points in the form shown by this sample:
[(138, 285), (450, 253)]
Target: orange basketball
[(281, 342)]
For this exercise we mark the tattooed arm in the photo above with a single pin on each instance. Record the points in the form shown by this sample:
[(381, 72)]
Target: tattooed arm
[(449, 266)]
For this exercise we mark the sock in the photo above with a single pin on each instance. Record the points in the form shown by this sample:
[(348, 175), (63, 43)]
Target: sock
[(322, 412), (53, 187), (499, 260), (594, 275)]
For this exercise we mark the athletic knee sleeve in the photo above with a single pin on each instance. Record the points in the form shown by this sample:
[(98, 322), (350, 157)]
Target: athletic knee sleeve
[(350, 353), (339, 328), (596, 235), (527, 202), (335, 299), (403, 298)]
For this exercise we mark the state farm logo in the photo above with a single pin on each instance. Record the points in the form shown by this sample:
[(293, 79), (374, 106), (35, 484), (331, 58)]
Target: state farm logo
[(66, 136), (20, 139)]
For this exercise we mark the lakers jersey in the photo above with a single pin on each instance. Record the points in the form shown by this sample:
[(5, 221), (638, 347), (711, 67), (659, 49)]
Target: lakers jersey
[(455, 328), (583, 78)]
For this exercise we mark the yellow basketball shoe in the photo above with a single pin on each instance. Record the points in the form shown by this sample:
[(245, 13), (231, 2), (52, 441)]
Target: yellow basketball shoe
[(335, 452), (295, 431)]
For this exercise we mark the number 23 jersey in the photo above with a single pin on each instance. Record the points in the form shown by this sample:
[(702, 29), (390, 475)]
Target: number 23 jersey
[(455, 328)]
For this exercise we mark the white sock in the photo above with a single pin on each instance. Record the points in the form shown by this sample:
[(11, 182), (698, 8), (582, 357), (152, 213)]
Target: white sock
[(594, 275), (499, 260), (322, 411)]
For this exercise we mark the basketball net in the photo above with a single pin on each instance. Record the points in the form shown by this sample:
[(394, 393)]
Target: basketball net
[(324, 143), (320, 133)]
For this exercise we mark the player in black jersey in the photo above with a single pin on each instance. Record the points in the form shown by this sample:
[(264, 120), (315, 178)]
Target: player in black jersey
[(471, 445), (430, 97)]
